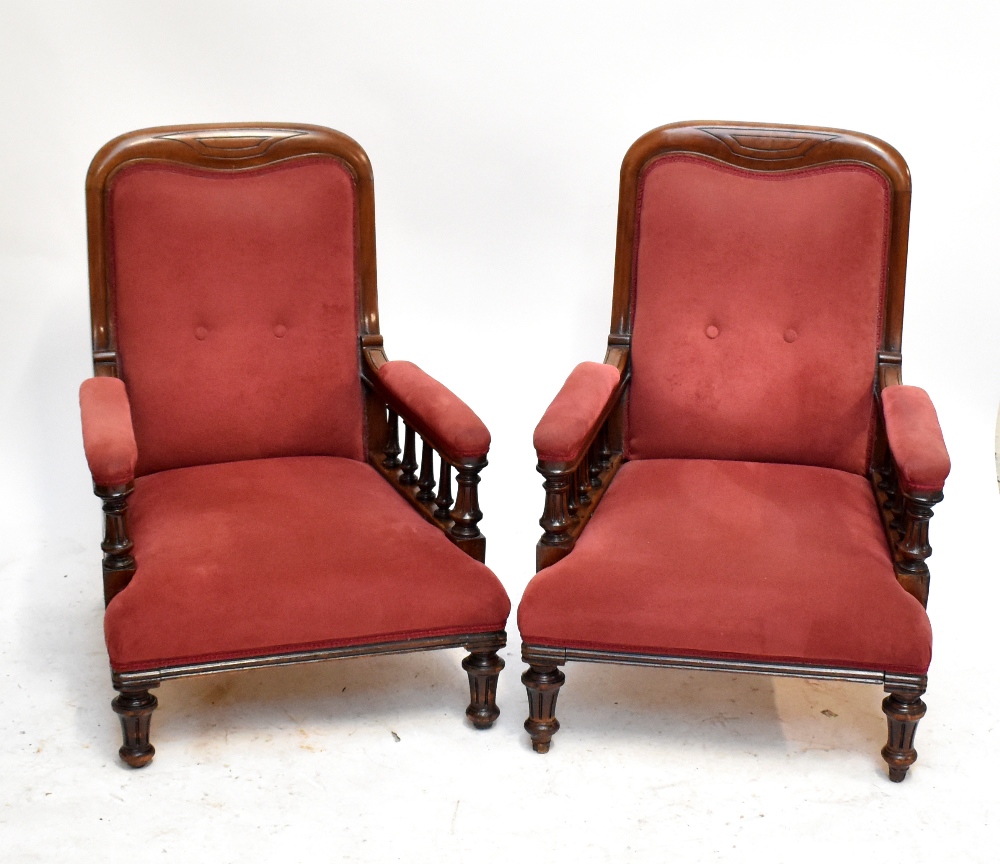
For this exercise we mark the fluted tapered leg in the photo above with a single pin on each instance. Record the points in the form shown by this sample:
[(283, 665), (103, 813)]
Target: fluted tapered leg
[(543, 683), (484, 671), (904, 711), (134, 708)]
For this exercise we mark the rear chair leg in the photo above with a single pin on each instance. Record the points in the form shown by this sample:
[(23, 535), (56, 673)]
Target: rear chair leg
[(134, 707), (543, 683), (484, 671), (904, 710)]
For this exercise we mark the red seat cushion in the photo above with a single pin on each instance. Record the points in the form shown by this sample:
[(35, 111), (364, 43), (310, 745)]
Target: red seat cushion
[(273, 556), (691, 557)]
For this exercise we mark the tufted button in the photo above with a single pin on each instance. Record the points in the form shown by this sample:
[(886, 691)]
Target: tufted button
[(280, 331), (791, 335), (711, 331), (200, 333)]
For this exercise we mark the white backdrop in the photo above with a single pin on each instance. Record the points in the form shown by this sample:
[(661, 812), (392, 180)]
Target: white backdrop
[(496, 132)]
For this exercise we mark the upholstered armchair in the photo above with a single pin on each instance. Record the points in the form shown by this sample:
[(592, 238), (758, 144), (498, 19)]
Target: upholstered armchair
[(745, 483), (242, 427)]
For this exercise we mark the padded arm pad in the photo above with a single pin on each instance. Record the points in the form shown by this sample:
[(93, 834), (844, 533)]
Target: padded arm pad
[(108, 439), (911, 425), (454, 425), (569, 422)]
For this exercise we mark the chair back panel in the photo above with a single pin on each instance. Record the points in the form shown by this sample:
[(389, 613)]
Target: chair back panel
[(236, 310), (757, 312)]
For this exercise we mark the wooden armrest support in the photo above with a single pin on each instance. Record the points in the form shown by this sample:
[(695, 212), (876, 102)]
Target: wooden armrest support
[(109, 443), (910, 481), (574, 485), (118, 565), (445, 424)]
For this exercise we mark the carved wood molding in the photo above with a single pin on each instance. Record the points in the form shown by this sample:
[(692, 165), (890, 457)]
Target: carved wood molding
[(233, 142), (473, 642), (541, 655), (768, 144)]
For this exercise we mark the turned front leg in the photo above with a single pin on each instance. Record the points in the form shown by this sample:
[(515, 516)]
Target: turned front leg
[(903, 710), (542, 683), (134, 707), (484, 669)]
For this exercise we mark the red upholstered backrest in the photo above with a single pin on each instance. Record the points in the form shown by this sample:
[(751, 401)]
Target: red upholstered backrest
[(757, 312), (236, 310)]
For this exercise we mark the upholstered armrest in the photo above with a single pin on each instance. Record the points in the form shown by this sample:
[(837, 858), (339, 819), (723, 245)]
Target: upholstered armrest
[(572, 419), (108, 439), (456, 430), (915, 440)]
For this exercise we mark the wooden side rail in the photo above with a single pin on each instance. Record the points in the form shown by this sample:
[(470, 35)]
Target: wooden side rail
[(460, 522), (458, 517)]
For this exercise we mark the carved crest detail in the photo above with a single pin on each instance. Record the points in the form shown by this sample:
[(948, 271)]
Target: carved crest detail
[(231, 143), (768, 144)]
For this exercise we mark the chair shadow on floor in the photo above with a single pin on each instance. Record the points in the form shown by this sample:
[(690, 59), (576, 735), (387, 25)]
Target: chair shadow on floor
[(754, 714), (333, 695)]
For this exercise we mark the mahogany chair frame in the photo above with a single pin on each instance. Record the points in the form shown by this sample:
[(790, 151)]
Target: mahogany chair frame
[(230, 147), (574, 489)]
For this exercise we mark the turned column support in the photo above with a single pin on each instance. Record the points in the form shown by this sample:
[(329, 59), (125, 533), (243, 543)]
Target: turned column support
[(444, 500), (583, 483), (603, 449), (392, 451), (467, 514), (426, 481), (903, 709), (542, 683), (409, 463), (134, 706), (484, 667), (913, 547), (556, 519), (118, 564), (594, 465)]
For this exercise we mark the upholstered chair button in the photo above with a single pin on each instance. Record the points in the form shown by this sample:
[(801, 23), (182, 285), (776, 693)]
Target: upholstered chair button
[(200, 333), (280, 331), (711, 331), (791, 335)]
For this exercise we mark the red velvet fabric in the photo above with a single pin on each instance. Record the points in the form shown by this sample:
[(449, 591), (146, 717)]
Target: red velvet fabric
[(235, 310), (915, 439), (281, 555), (568, 421), (454, 425), (758, 303), (108, 439), (755, 561)]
